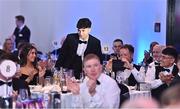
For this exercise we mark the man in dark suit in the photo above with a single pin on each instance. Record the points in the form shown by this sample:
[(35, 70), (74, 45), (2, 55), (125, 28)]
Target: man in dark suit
[(76, 46), (21, 32), (164, 73)]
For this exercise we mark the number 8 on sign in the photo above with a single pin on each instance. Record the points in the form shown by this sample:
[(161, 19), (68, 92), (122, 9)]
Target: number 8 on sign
[(7, 68)]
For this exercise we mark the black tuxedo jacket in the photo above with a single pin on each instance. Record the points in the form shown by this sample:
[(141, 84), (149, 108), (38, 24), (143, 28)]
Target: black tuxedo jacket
[(175, 81), (68, 57), (23, 35)]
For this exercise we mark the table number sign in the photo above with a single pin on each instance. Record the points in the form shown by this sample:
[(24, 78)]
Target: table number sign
[(8, 68)]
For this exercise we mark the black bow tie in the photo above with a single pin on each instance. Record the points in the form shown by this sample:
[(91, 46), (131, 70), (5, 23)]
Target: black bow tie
[(98, 82), (157, 63), (8, 83), (166, 70), (80, 42)]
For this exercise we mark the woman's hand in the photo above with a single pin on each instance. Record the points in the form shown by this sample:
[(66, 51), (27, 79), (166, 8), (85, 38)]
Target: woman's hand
[(42, 71), (31, 75)]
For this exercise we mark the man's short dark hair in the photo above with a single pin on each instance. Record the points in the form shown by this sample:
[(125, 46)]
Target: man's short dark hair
[(20, 18), (129, 47), (118, 40), (171, 52), (83, 23)]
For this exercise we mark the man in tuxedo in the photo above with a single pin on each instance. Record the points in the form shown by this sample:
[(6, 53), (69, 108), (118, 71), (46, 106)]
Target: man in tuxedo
[(78, 45), (132, 73), (156, 53), (117, 44), (93, 90), (164, 73), (21, 32)]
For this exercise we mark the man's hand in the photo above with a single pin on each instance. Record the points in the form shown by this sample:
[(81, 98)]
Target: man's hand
[(127, 64), (73, 86), (166, 78), (92, 86)]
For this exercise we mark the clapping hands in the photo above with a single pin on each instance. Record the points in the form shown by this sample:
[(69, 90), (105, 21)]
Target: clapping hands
[(166, 78)]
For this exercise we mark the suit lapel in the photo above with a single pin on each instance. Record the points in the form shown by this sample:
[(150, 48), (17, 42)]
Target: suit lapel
[(175, 70), (75, 45), (89, 44)]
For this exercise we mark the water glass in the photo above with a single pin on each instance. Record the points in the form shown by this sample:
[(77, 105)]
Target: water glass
[(82, 76), (120, 77), (47, 81), (69, 73), (23, 94)]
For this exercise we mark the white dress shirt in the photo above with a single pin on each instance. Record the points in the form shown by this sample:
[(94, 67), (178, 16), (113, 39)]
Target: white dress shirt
[(150, 75), (5, 90), (138, 75), (107, 94), (81, 49)]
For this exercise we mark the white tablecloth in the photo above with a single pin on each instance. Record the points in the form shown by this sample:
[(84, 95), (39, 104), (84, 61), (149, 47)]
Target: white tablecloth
[(134, 94)]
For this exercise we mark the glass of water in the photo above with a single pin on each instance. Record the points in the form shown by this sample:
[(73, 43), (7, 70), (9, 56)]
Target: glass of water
[(23, 94)]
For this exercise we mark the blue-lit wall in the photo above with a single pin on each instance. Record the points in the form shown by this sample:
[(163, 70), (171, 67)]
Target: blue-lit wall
[(131, 20)]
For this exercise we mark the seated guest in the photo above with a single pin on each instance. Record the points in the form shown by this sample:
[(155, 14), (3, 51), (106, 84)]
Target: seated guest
[(135, 74), (29, 66), (30, 71), (6, 89), (148, 55), (5, 83), (156, 53), (8, 45), (93, 91), (164, 73)]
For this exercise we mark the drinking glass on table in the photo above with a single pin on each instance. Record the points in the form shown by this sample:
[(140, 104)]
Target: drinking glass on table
[(23, 93), (47, 81), (69, 73), (82, 76)]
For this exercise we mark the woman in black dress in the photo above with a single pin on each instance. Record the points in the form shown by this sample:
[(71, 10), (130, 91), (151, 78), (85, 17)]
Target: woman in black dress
[(30, 72)]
